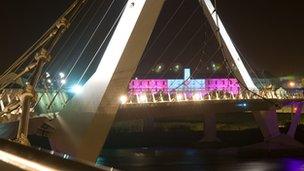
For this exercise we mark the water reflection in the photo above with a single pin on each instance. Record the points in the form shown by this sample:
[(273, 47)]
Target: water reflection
[(146, 159)]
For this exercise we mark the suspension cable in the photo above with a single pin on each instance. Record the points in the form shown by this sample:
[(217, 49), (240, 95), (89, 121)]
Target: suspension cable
[(162, 31), (101, 45), (70, 36), (98, 50), (80, 36), (171, 41), (90, 39)]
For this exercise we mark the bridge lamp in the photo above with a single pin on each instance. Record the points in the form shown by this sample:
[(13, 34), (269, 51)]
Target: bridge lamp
[(143, 98), (47, 75), (123, 99), (49, 81), (179, 97), (291, 84), (62, 75), (196, 97), (77, 89), (243, 105), (63, 82)]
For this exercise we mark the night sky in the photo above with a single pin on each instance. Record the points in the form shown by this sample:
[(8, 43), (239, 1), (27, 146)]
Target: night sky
[(269, 33)]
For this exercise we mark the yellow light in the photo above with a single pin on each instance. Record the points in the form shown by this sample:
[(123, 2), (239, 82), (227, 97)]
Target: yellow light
[(291, 84), (123, 99), (143, 98), (196, 97), (179, 97), (22, 162)]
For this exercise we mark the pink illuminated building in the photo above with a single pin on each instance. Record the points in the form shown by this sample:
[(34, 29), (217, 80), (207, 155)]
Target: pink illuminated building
[(229, 85)]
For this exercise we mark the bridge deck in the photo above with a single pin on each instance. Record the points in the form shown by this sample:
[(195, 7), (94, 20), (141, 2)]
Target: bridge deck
[(197, 108)]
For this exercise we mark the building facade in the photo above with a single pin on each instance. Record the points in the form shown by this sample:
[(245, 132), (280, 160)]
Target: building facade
[(228, 85)]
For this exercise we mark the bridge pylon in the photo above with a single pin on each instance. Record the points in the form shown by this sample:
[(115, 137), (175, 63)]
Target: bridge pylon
[(83, 125)]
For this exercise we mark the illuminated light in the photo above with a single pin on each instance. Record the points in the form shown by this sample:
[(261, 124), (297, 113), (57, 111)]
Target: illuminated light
[(209, 97), (77, 89), (196, 97), (185, 96), (62, 75), (2, 105), (291, 84), (161, 98), (179, 97), (22, 163), (47, 75), (229, 44), (177, 68), (63, 81), (243, 105), (153, 96), (217, 96), (143, 98), (169, 97), (123, 99), (159, 68), (49, 81)]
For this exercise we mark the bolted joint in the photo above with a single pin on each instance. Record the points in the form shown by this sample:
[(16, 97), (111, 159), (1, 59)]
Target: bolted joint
[(43, 54), (63, 22), (29, 92)]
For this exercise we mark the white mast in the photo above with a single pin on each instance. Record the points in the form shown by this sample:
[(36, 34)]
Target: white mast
[(228, 48), (83, 125)]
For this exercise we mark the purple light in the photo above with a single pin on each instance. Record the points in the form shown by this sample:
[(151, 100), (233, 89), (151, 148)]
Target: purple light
[(139, 86)]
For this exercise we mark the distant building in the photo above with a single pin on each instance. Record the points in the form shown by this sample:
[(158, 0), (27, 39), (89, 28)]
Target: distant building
[(229, 85)]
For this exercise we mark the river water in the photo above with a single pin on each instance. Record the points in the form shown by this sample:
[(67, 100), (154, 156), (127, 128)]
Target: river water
[(150, 159)]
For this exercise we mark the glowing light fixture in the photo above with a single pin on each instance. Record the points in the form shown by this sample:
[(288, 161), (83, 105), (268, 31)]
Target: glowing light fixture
[(77, 89), (196, 97), (47, 75), (49, 81), (143, 98), (291, 84), (123, 99), (63, 81), (179, 97), (62, 75)]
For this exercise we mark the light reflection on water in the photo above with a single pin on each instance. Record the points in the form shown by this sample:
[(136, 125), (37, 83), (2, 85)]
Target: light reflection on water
[(146, 159)]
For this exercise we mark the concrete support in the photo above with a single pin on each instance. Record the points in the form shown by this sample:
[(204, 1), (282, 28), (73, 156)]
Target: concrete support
[(268, 123), (209, 128), (295, 120)]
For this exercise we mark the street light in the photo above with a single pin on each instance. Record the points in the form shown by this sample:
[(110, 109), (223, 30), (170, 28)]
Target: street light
[(123, 99), (49, 81), (143, 98), (63, 81), (62, 75), (291, 84), (77, 89), (196, 97), (179, 97)]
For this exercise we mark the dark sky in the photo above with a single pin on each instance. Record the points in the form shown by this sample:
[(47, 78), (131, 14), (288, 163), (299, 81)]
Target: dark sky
[(269, 33)]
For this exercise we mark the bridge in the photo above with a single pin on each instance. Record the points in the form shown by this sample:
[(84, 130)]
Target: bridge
[(86, 118)]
